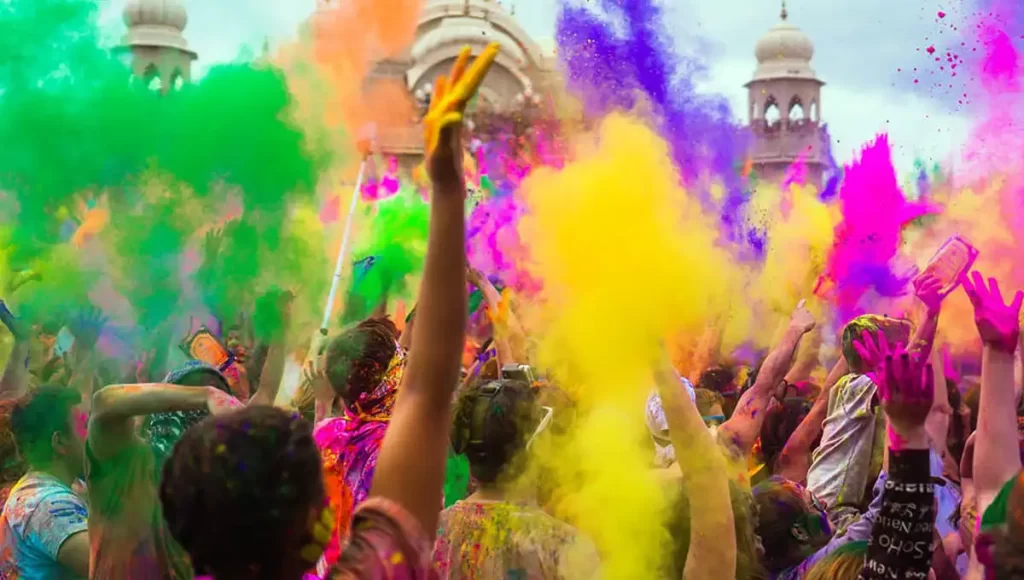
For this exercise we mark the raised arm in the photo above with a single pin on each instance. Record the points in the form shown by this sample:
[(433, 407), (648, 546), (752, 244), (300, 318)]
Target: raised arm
[(114, 408), (411, 466), (712, 552), (278, 307), (14, 383), (795, 458), (509, 339), (742, 429), (927, 289), (996, 455)]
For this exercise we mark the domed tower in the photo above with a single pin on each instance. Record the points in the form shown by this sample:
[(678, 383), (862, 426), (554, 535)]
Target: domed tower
[(160, 53), (785, 104), (444, 27)]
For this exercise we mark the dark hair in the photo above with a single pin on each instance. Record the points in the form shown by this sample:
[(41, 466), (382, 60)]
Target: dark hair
[(203, 377), (972, 398), (358, 358), (779, 506), (718, 379), (493, 422), (895, 331), (956, 438), (39, 415), (779, 423), (237, 490), (12, 466), (845, 563)]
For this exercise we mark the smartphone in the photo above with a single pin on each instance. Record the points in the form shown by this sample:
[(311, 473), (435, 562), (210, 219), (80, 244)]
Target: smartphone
[(952, 261), (518, 373)]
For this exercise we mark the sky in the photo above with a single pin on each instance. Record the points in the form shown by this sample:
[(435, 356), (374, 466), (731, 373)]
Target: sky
[(865, 51)]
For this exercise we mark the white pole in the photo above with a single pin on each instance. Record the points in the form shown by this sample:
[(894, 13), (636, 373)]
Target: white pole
[(339, 265)]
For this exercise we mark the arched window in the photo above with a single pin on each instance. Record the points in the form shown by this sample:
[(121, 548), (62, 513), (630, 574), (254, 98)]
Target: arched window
[(814, 111), (151, 78), (772, 115), (177, 81), (796, 110), (755, 114)]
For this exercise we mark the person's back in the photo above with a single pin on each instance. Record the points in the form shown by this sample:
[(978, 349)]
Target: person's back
[(843, 465), (489, 534), (494, 539)]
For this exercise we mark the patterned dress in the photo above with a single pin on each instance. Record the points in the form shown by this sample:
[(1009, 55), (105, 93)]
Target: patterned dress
[(349, 446)]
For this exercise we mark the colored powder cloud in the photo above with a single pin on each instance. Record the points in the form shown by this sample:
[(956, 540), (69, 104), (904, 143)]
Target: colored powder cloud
[(159, 169), (869, 236), (626, 56), (627, 258)]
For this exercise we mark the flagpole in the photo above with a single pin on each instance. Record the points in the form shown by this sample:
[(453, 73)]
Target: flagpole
[(340, 264)]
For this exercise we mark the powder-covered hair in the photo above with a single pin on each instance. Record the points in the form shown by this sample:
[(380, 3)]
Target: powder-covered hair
[(778, 505), (895, 331), (843, 564), (237, 491), (357, 359)]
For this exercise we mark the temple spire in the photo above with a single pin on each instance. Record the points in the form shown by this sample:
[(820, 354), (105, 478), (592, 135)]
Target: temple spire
[(785, 13)]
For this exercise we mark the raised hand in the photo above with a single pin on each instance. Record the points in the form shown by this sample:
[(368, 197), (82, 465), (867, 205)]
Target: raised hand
[(316, 376), (15, 326), (928, 290), (871, 355), (906, 387), (998, 323), (474, 276), (86, 327), (802, 319), (443, 121)]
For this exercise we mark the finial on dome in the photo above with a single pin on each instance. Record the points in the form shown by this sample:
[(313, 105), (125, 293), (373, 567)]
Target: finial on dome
[(784, 14)]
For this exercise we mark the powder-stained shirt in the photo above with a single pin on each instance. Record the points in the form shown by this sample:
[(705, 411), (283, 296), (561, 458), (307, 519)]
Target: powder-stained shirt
[(841, 465), (503, 540), (387, 543), (128, 536), (40, 514)]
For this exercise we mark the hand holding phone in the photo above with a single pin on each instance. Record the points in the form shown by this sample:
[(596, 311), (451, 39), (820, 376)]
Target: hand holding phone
[(953, 260)]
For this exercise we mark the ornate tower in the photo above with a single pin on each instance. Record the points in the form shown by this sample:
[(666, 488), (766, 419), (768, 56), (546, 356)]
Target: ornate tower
[(784, 100), (160, 54)]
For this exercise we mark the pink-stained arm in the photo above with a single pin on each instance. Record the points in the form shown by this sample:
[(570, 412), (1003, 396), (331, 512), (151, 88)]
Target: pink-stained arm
[(795, 459), (114, 408), (712, 552), (742, 429)]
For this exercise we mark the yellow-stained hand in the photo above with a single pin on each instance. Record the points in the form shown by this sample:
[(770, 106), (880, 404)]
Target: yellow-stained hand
[(447, 107)]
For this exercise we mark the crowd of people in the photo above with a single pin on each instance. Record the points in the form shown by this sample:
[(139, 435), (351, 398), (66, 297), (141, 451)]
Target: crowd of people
[(893, 467)]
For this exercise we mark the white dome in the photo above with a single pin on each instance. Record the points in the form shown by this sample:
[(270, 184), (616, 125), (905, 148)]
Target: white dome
[(784, 42), (156, 23), (164, 13), (461, 30)]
